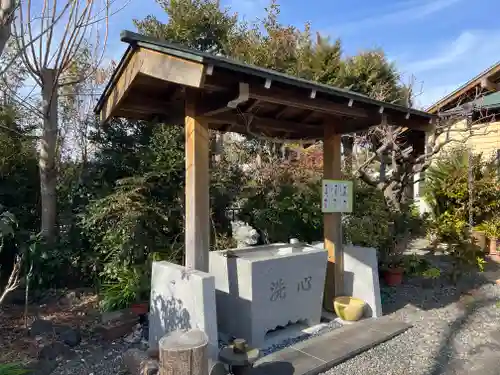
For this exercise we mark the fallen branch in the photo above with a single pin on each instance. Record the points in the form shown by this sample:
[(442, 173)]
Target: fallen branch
[(14, 279)]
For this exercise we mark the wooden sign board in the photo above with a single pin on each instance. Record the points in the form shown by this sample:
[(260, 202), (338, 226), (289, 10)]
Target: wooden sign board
[(337, 196)]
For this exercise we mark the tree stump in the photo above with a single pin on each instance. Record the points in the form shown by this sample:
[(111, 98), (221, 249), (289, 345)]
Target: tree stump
[(184, 353)]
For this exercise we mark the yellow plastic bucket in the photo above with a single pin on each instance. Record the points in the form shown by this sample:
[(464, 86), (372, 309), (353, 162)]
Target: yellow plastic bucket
[(349, 308)]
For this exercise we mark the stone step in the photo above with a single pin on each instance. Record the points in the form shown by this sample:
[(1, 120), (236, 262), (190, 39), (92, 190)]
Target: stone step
[(321, 353)]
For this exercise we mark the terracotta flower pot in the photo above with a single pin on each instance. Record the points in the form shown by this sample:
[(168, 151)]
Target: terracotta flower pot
[(140, 308), (480, 239), (493, 246), (393, 276)]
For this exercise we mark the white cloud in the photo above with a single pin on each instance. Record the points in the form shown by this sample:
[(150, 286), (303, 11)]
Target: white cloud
[(408, 11), (449, 55), (452, 64)]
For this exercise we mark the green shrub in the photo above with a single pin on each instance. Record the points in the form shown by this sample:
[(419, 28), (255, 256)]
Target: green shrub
[(447, 186), (490, 227), (284, 203), (130, 284), (432, 273), (12, 369), (415, 265)]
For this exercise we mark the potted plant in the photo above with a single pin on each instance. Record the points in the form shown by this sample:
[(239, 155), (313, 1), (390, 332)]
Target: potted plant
[(393, 268), (491, 229), (393, 273), (430, 276), (129, 289)]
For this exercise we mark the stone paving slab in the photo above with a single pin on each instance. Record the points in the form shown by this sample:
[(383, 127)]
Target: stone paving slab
[(321, 353)]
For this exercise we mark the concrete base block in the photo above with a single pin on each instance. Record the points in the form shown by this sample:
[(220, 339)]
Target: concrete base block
[(264, 287), (361, 278), (181, 300)]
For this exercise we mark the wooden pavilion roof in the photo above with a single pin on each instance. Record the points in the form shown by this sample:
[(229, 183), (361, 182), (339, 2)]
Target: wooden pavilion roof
[(153, 77)]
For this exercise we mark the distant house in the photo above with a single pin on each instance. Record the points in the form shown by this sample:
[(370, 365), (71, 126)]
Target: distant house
[(478, 100), (476, 106)]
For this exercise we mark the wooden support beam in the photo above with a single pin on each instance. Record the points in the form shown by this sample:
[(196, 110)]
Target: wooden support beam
[(332, 224), (197, 227), (261, 122), (121, 88), (278, 96), (172, 69), (216, 103)]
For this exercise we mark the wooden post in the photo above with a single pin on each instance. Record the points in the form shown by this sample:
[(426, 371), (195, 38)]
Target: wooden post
[(197, 240), (184, 353), (332, 225)]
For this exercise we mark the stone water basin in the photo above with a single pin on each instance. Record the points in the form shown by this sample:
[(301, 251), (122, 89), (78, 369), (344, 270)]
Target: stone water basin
[(263, 287)]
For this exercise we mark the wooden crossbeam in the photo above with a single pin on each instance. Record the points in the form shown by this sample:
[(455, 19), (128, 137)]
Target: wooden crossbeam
[(260, 122), (282, 97)]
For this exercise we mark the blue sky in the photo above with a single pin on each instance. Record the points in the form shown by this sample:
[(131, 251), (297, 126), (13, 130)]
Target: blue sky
[(443, 43)]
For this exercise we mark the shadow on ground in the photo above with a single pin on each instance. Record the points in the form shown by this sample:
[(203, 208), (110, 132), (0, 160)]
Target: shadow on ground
[(485, 356), (273, 368), (443, 292)]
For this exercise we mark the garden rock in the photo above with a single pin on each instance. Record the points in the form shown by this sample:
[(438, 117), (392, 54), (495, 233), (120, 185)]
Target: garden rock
[(135, 336), (70, 298), (71, 337), (138, 362), (41, 327), (42, 367), (54, 350)]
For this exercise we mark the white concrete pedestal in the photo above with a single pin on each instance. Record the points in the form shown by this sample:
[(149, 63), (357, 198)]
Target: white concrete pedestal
[(263, 287), (361, 278), (182, 300)]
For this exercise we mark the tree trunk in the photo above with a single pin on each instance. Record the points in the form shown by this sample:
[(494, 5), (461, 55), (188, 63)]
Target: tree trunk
[(184, 353), (7, 8), (348, 145), (47, 162)]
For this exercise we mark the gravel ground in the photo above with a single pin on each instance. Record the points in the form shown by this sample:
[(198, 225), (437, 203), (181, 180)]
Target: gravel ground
[(456, 331), (97, 360)]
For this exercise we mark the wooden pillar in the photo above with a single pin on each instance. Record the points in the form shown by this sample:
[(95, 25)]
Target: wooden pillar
[(197, 226), (332, 225)]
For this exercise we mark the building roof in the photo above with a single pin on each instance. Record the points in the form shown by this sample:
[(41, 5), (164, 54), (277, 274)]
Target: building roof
[(490, 101), (152, 69), (486, 81)]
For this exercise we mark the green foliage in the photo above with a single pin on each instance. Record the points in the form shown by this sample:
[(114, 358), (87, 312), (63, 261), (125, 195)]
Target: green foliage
[(432, 273), (415, 265), (129, 285), (12, 369), (481, 263), (19, 177), (369, 223), (447, 188), (8, 225), (284, 203), (490, 227), (142, 213), (372, 74), (199, 24), (447, 191)]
